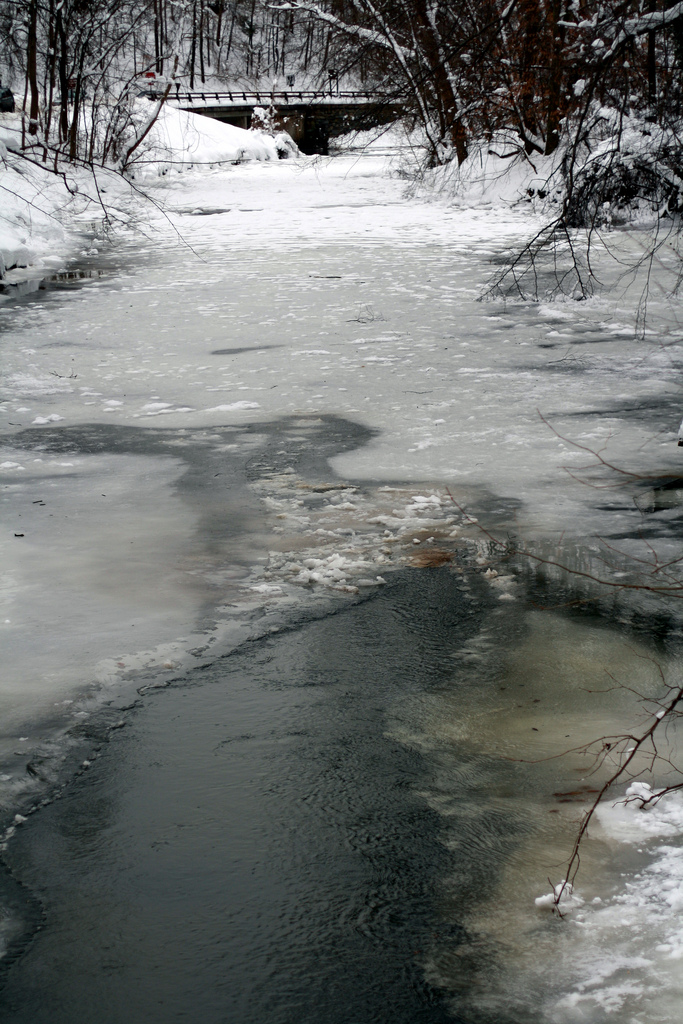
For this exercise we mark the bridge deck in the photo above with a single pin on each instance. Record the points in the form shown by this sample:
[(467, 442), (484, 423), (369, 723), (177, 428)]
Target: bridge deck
[(289, 98)]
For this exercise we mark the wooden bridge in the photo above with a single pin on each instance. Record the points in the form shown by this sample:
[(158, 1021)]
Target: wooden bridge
[(310, 116)]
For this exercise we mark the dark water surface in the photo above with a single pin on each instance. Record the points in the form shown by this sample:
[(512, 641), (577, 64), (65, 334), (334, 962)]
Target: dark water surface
[(253, 846)]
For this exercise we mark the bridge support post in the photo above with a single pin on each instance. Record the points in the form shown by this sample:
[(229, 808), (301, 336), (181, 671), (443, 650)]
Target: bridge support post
[(316, 135)]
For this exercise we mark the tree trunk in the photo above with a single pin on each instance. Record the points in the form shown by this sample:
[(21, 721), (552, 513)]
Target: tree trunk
[(439, 79), (193, 47), (230, 33), (531, 29), (31, 67), (202, 74), (219, 24), (73, 130), (555, 76), (652, 67), (63, 73), (52, 57), (159, 36)]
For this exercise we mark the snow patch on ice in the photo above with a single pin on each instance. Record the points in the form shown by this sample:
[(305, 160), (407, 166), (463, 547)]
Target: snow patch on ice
[(562, 897), (630, 820), (603, 950), (27, 384), (42, 420), (234, 407)]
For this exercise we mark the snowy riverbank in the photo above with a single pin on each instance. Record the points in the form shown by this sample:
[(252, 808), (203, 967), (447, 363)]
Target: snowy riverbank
[(47, 219)]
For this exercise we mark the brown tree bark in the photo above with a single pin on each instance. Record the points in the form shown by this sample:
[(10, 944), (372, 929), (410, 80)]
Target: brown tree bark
[(556, 71), (63, 74), (652, 65), (32, 68)]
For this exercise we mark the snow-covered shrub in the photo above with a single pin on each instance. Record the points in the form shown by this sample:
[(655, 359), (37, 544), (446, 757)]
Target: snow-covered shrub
[(266, 121), (263, 120), (635, 174), (285, 145), (180, 139)]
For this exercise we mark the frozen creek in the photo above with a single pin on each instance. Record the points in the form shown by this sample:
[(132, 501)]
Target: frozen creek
[(228, 528)]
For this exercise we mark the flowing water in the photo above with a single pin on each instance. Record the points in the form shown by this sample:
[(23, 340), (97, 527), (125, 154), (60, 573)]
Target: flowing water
[(280, 716)]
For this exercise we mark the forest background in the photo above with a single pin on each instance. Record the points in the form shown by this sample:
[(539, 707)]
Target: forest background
[(596, 86)]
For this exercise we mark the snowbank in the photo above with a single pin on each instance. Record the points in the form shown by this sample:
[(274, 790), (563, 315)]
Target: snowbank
[(500, 174), (30, 200), (181, 140)]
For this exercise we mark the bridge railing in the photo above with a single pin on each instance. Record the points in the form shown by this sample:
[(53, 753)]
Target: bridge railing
[(289, 97)]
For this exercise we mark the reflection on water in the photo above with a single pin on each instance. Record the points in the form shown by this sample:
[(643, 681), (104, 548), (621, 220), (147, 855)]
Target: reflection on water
[(59, 281), (337, 823)]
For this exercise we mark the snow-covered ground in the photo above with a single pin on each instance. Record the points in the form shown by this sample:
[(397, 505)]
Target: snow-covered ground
[(242, 313)]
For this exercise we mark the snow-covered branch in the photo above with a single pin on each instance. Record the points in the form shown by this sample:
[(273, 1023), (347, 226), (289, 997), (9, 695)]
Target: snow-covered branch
[(360, 32), (652, 22), (634, 28)]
